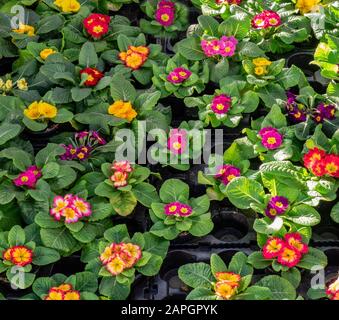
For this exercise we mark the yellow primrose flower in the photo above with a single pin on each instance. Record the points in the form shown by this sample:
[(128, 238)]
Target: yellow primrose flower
[(25, 29), (46, 52), (1, 83), (124, 110), (259, 71), (306, 6), (8, 85), (39, 110), (68, 6), (22, 84), (261, 62)]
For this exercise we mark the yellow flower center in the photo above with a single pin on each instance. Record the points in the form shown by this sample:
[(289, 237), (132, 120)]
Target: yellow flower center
[(271, 140), (165, 17)]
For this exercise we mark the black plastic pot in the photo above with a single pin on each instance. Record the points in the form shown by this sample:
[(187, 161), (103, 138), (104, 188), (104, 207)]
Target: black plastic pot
[(302, 60), (6, 65), (140, 289)]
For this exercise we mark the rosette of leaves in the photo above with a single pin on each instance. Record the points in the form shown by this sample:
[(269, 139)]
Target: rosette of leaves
[(294, 28), (244, 100), (124, 199), (144, 102), (272, 86), (193, 141), (198, 223), (216, 190), (68, 238), (309, 100), (314, 259), (326, 56), (86, 283), (247, 193), (202, 278), (195, 83), (56, 175), (209, 28), (290, 148), (118, 287), (145, 73), (155, 29), (41, 256)]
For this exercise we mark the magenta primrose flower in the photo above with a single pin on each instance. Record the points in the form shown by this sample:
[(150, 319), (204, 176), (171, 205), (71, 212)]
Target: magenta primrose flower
[(178, 209), (271, 138), (165, 16), (179, 75), (225, 47), (276, 206), (227, 173), (28, 178), (177, 141), (221, 104)]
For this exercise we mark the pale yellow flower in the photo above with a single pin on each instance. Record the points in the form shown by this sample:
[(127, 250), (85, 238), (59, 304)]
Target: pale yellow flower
[(22, 84), (306, 6)]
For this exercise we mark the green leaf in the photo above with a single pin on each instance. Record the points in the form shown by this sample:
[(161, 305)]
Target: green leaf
[(190, 48), (85, 234), (274, 118), (83, 281), (155, 245), (257, 260), (242, 192), (50, 170), (44, 256), (314, 258), (88, 57), (304, 215), (8, 131), (209, 25), (201, 225), (201, 294), (48, 154), (21, 159), (79, 94), (335, 213), (255, 293), (196, 275), (172, 190), (281, 288), (239, 265), (16, 236), (293, 276), (65, 177), (123, 202), (50, 23), (146, 194), (152, 267), (217, 264), (117, 233), (112, 289), (22, 282), (122, 89), (59, 239), (42, 285)]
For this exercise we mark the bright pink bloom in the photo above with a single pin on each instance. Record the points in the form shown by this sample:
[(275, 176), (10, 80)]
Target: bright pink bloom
[(124, 166), (227, 46), (165, 16), (266, 19), (221, 104), (27, 179), (179, 75), (177, 141), (172, 208), (271, 138), (185, 210), (227, 173)]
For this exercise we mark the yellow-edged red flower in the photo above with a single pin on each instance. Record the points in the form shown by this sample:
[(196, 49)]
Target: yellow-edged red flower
[(227, 284), (118, 257), (124, 110), (40, 110), (134, 57), (63, 292), (68, 6), (18, 255)]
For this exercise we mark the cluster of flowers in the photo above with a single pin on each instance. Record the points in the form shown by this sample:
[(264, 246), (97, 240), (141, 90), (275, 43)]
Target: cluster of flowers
[(71, 207), (68, 6), (288, 251), (177, 141), (227, 284), (84, 144), (134, 57), (93, 76), (18, 255), (266, 19), (333, 290), (276, 206), (271, 138), (28, 178), (7, 86), (297, 112), (221, 104), (25, 29), (260, 66), (227, 173), (63, 292), (121, 170), (178, 75), (224, 47), (165, 13), (123, 110), (321, 163), (178, 209), (40, 110), (118, 257), (97, 25)]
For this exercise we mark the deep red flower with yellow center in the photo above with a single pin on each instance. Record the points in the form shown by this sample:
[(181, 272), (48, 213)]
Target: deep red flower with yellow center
[(21, 255), (273, 247), (289, 257), (313, 156), (93, 77), (331, 165), (294, 240)]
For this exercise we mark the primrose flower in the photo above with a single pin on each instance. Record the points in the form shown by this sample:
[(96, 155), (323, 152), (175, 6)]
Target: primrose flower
[(177, 142), (227, 173), (324, 111), (22, 84), (331, 165), (178, 75), (185, 210), (20, 256), (178, 209), (227, 46), (313, 156), (266, 19), (134, 57), (289, 257), (306, 6), (273, 248), (279, 203), (27, 179), (332, 290), (165, 16), (123, 110), (294, 240), (124, 166), (25, 29), (93, 76), (270, 138), (68, 6), (44, 54), (97, 25), (296, 111), (81, 207), (225, 290), (119, 179), (229, 277), (63, 292), (221, 104), (40, 110)]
